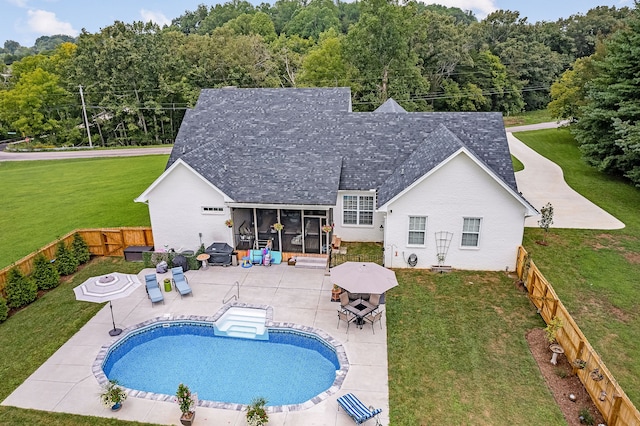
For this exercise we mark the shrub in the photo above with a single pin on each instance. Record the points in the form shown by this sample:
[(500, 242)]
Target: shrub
[(66, 263), (44, 273), (256, 413), (4, 309), (21, 290), (80, 249)]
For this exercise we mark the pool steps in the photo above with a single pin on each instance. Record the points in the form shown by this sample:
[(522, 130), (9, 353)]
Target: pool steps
[(247, 323)]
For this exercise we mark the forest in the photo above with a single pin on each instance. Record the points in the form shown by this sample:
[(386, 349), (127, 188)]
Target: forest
[(136, 79)]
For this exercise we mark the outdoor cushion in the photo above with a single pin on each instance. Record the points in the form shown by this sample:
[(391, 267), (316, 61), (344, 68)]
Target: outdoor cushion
[(180, 281), (357, 410), (153, 289)]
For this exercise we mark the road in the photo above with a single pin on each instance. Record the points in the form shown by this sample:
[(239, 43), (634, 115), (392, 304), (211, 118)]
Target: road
[(65, 155)]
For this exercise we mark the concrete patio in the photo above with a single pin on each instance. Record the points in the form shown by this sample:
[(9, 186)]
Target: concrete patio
[(65, 382)]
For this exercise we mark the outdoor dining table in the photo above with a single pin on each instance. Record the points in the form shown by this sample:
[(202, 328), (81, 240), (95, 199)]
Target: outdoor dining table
[(360, 308)]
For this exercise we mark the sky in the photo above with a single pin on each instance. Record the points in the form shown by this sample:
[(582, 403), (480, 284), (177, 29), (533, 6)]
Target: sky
[(26, 20)]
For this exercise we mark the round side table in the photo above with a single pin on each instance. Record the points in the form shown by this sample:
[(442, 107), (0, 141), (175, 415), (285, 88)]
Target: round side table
[(203, 257)]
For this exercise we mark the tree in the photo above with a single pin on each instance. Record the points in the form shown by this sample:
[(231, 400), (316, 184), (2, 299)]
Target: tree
[(44, 274), (546, 220), (325, 64), (80, 249), (311, 20), (569, 92), (378, 46), (65, 263), (607, 130), (21, 290)]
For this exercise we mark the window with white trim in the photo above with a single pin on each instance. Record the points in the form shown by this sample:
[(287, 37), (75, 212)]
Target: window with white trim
[(471, 232), (357, 210), (212, 210), (417, 230)]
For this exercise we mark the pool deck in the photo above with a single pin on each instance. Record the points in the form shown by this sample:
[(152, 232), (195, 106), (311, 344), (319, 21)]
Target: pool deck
[(66, 383)]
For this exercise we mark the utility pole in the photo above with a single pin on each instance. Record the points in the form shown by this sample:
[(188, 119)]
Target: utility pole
[(86, 120)]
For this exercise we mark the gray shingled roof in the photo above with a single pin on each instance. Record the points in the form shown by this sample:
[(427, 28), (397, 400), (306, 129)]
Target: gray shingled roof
[(390, 106), (294, 153)]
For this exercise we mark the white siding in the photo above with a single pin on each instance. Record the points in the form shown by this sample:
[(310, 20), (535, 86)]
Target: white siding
[(175, 208), (363, 233), (459, 189)]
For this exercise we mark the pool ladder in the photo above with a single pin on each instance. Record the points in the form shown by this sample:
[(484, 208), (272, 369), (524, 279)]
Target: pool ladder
[(235, 296)]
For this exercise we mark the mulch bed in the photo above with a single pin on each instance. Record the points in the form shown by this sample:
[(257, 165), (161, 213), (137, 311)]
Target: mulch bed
[(561, 381)]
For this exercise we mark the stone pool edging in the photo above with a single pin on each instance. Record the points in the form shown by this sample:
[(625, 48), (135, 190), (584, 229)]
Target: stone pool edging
[(334, 343)]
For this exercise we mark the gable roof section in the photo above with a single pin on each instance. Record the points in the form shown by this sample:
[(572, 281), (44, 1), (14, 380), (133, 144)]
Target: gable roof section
[(390, 105), (293, 153)]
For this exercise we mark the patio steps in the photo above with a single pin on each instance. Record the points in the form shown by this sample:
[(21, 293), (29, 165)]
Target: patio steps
[(311, 262), (246, 323)]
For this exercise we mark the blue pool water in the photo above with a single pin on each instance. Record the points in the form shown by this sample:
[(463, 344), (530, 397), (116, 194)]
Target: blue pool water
[(289, 368)]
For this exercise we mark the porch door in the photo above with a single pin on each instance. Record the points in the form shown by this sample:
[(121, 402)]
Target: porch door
[(313, 235)]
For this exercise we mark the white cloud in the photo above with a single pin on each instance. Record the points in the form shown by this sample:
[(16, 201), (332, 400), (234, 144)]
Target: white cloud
[(155, 17), (46, 23), (481, 8)]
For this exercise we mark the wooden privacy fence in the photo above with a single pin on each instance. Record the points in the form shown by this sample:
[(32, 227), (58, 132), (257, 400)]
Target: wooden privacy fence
[(608, 396), (101, 242)]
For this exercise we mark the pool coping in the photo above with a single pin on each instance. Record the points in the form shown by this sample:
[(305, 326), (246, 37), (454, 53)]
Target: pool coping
[(333, 389)]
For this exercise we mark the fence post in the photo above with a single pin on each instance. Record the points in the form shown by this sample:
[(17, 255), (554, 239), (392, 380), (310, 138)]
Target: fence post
[(615, 410)]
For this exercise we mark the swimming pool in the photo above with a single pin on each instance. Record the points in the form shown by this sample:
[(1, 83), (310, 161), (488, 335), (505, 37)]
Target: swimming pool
[(294, 367)]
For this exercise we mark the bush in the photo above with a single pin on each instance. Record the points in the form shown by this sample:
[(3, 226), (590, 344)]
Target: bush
[(66, 263), (4, 309), (21, 290), (80, 249), (44, 273)]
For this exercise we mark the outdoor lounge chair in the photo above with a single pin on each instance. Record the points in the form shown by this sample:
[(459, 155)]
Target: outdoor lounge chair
[(357, 410), (153, 289), (180, 281)]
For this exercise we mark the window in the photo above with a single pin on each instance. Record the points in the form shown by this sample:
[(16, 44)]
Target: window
[(357, 210), (417, 230), (212, 210), (471, 232)]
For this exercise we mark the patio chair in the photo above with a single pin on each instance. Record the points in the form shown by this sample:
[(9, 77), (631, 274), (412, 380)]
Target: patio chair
[(344, 299), (374, 317), (153, 289), (346, 317), (180, 281), (374, 299), (357, 410)]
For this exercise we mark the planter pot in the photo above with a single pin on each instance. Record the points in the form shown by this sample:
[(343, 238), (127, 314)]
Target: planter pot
[(187, 418), (167, 286), (116, 406)]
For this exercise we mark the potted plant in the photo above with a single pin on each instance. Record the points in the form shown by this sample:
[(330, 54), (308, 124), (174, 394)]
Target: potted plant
[(327, 228), (256, 413), (228, 223), (278, 226), (335, 292), (113, 395), (187, 403)]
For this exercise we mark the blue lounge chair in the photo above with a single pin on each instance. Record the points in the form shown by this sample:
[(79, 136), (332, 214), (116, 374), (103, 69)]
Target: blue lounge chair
[(180, 281), (153, 289), (357, 410)]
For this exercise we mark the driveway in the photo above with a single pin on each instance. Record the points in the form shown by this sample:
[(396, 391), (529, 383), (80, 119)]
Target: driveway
[(542, 181)]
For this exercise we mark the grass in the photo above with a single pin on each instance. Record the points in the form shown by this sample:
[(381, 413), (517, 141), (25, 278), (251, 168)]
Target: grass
[(458, 354), (529, 117), (595, 273), (29, 337), (46, 199), (517, 164)]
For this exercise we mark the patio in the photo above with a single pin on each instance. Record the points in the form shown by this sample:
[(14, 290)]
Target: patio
[(65, 383)]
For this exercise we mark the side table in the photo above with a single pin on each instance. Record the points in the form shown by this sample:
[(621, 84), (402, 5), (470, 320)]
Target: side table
[(203, 257)]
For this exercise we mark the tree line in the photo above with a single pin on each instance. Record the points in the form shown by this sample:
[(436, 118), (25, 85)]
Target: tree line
[(138, 79)]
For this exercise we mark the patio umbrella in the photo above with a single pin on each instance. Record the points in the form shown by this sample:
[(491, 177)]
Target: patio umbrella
[(363, 277), (106, 288)]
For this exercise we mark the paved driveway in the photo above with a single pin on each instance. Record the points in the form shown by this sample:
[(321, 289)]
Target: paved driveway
[(542, 181)]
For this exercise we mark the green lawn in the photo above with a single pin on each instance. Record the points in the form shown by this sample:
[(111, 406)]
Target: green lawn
[(43, 200), (31, 336), (529, 117), (595, 273)]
